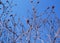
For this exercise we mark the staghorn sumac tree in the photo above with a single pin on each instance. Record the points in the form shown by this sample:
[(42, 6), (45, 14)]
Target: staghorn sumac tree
[(42, 27)]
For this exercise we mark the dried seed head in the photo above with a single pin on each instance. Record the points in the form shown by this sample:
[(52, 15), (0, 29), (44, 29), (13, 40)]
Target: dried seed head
[(8, 19), (48, 7), (7, 1), (11, 15), (33, 8), (30, 25), (15, 24), (53, 7), (38, 2), (31, 1), (27, 21), (34, 12), (0, 2)]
